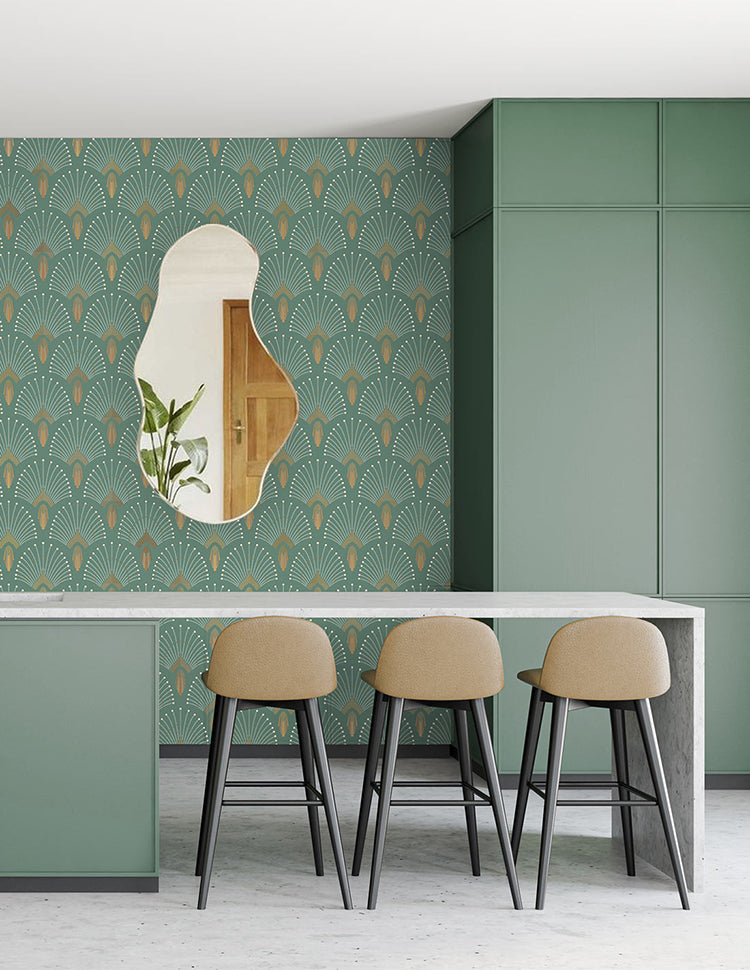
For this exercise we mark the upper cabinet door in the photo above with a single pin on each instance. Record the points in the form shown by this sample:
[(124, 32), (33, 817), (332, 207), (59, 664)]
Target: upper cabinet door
[(473, 166), (707, 152), (473, 418), (578, 405), (579, 152), (707, 403)]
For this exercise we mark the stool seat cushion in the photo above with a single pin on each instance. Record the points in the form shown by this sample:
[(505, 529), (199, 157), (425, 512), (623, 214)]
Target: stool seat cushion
[(532, 677), (443, 658), (604, 658), (272, 658), (368, 676)]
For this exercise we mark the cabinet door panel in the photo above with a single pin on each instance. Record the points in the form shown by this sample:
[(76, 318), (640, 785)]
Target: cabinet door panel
[(473, 408), (727, 676), (579, 152), (578, 401), (79, 773), (706, 152), (707, 403), (473, 165)]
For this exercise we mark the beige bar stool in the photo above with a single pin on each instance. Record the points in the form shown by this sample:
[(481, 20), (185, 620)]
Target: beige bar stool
[(616, 662), (437, 661), (271, 661)]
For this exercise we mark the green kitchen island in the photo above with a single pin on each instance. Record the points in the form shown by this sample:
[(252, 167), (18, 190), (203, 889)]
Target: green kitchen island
[(79, 772)]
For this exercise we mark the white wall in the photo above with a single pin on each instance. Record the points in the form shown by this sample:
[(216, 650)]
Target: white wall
[(183, 346)]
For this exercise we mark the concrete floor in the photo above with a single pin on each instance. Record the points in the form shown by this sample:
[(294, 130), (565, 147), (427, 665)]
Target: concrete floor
[(266, 908)]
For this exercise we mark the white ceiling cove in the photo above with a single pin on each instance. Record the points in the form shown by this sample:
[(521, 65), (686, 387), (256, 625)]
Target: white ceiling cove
[(219, 68)]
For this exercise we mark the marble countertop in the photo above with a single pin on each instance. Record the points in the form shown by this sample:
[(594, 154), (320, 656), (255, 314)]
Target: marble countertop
[(184, 605)]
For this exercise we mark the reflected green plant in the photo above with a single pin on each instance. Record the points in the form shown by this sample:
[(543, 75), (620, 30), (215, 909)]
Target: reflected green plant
[(162, 460)]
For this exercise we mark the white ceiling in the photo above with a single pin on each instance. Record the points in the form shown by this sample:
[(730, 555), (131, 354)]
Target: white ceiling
[(219, 68)]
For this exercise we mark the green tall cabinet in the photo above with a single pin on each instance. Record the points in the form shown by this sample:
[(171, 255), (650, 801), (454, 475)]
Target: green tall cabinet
[(79, 794), (601, 399)]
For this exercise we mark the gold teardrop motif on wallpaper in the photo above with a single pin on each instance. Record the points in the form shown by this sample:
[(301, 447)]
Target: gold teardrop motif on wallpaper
[(351, 638), (283, 557)]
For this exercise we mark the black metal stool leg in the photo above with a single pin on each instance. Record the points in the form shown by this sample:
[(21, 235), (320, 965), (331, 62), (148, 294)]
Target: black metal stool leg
[(377, 721), (308, 774), (530, 745), (650, 743), (224, 728), (464, 760), (207, 792), (620, 751), (493, 784), (552, 787), (395, 712), (329, 802)]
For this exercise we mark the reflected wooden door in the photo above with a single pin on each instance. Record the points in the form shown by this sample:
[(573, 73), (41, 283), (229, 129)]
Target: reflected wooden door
[(260, 409)]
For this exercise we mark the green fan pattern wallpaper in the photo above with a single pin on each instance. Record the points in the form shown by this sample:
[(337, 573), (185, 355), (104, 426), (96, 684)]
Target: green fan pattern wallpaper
[(352, 299)]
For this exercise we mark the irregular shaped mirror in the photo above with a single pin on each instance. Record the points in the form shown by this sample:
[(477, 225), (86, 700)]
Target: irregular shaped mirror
[(216, 405)]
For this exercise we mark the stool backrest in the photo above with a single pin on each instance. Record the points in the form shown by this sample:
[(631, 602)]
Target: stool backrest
[(606, 658), (272, 658), (440, 658)]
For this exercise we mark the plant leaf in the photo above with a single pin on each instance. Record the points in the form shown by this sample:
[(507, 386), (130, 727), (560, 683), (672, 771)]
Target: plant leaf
[(149, 461), (157, 450), (179, 466), (197, 451), (197, 482), (156, 410), (149, 420), (180, 416)]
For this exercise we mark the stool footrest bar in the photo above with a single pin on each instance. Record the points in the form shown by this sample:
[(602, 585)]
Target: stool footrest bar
[(440, 801), (601, 801), (643, 797), (265, 784), (270, 801), (482, 797)]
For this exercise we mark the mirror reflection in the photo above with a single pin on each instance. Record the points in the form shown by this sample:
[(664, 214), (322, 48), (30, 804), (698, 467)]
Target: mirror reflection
[(216, 405)]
